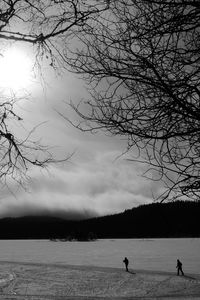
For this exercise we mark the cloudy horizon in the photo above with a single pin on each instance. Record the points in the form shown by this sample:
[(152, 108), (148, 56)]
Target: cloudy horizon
[(97, 180)]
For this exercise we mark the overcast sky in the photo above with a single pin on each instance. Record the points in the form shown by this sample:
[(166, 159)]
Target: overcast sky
[(96, 180)]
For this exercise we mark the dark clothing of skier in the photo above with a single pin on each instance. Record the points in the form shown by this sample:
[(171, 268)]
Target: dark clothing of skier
[(126, 263), (179, 267)]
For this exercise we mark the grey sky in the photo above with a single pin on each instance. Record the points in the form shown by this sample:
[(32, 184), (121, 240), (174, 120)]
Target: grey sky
[(96, 181)]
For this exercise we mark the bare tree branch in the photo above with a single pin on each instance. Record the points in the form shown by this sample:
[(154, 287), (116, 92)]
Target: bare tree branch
[(48, 26), (141, 60)]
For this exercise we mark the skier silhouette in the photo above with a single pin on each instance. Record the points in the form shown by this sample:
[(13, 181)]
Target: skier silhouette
[(126, 262), (179, 267)]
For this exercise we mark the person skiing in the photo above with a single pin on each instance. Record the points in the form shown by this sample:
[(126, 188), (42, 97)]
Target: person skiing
[(179, 267), (126, 262)]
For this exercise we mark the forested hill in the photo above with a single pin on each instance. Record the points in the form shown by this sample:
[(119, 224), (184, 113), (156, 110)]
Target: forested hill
[(173, 219)]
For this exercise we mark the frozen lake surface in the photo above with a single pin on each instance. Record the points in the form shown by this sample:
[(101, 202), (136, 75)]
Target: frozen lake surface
[(144, 254)]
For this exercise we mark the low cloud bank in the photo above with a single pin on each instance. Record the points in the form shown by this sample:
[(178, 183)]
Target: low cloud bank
[(96, 187)]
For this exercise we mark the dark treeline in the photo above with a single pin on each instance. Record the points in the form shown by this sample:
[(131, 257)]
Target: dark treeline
[(173, 219)]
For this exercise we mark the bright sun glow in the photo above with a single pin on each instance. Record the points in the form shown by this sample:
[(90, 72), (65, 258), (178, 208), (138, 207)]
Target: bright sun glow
[(15, 70)]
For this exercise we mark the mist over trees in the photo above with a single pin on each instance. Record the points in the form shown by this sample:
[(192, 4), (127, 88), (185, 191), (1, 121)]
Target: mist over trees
[(164, 220), (141, 60)]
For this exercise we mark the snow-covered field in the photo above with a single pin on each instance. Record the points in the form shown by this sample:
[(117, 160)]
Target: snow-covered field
[(143, 254), (51, 282), (48, 270)]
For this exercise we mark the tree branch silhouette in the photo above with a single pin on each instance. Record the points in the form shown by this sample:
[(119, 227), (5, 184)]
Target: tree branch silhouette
[(48, 26), (141, 61)]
